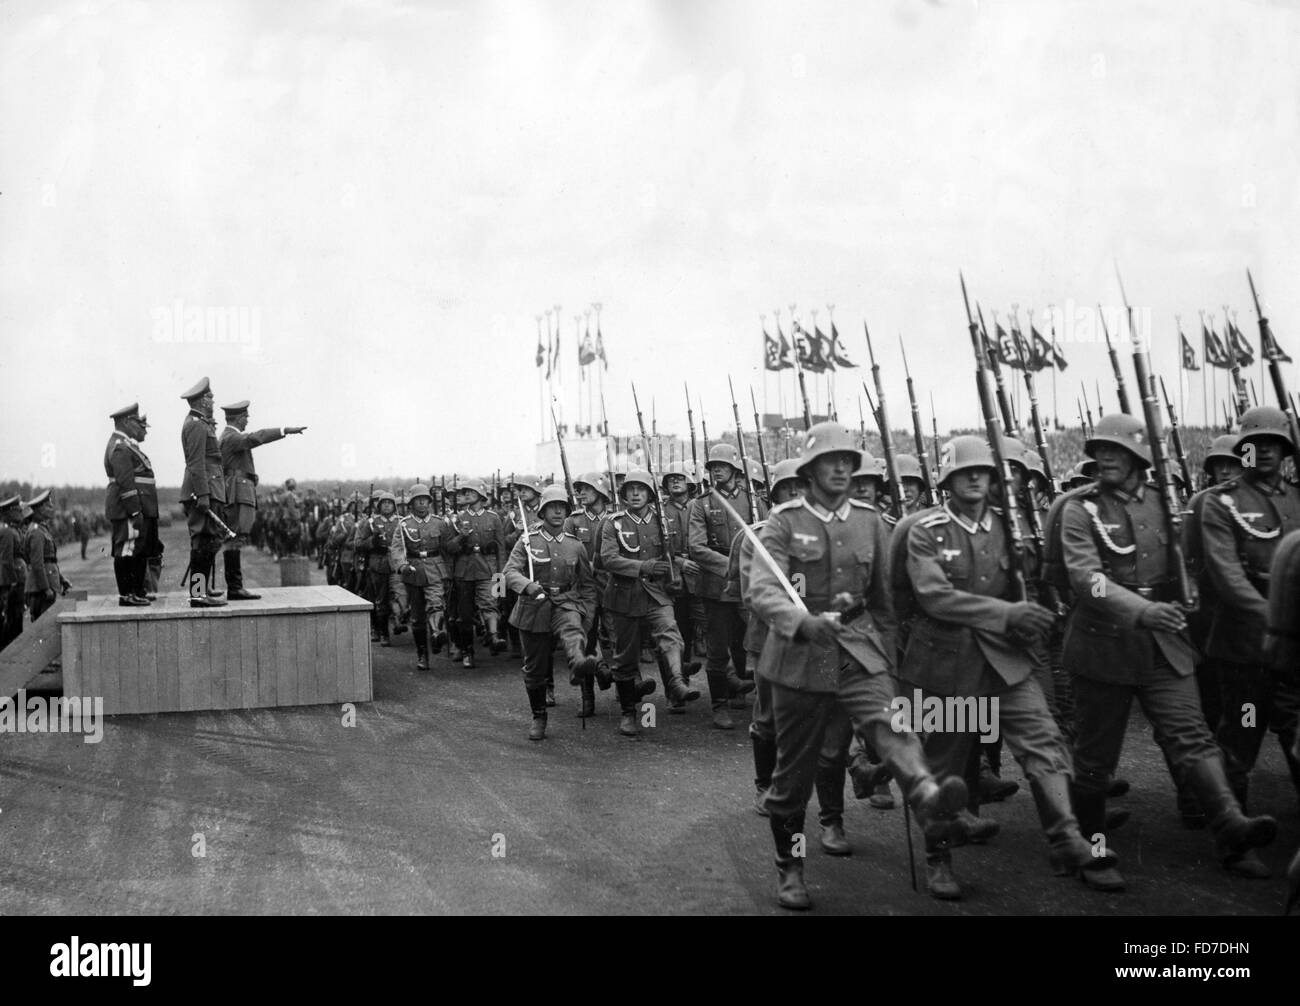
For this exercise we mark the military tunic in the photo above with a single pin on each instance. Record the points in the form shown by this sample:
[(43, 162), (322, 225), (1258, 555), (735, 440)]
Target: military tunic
[(240, 474), (630, 546), (204, 481), (562, 567), (42, 568)]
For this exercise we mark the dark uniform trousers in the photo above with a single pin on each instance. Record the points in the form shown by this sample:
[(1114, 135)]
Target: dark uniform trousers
[(725, 635), (661, 625), (1274, 704), (539, 647)]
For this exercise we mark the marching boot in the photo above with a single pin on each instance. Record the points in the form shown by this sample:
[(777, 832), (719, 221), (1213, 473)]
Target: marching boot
[(675, 687), (676, 705), (738, 688), (438, 639), (588, 698), (1235, 834), (496, 643), (764, 766), (970, 829), (868, 777), (421, 633), (537, 700), (829, 783), (604, 676), (929, 797), (790, 890), (235, 577), (582, 669), (690, 668), (1071, 850), (627, 699), (992, 787), (644, 686), (939, 878), (718, 695), (467, 657)]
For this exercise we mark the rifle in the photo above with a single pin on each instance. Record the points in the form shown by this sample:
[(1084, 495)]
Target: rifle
[(1114, 366), (704, 430), (564, 455), (1156, 436), (931, 496), (934, 426), (758, 431), (1268, 346), (690, 421), (673, 578), (609, 453), (744, 459), (1004, 402), (1087, 408), (1010, 509), (1177, 437), (1083, 425), (882, 420), (803, 388), (1040, 440), (370, 500)]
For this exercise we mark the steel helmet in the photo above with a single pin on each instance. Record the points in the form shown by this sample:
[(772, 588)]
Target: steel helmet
[(961, 453), (1034, 462), (1122, 430), (1263, 421), (596, 480), (554, 494), (828, 438), (909, 467), (638, 478), (785, 471), (870, 468), (1221, 447), (1014, 450), (384, 494), (527, 482), (357, 498), (476, 486), (692, 475), (679, 469), (417, 491), (756, 472), (724, 454)]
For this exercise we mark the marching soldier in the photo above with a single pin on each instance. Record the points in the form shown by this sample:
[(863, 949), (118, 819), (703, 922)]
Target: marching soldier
[(524, 491), (43, 576), (711, 530), (550, 570), (374, 539), (585, 524), (241, 487), (969, 641), (676, 502), (1222, 461), (1127, 637), (203, 495), (637, 597), (818, 666), (421, 543), (13, 570), (131, 504), (909, 474), (480, 550), (343, 541), (1242, 522)]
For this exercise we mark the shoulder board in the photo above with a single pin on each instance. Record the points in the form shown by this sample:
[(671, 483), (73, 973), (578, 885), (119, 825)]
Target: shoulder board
[(794, 504), (935, 519), (861, 503), (535, 533), (998, 510), (1231, 485)]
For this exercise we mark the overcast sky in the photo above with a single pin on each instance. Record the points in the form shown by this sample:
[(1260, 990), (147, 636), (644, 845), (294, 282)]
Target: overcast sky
[(389, 194)]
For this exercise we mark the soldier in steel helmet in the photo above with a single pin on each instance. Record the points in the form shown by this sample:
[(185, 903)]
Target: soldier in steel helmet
[(584, 523), (342, 542), (638, 597), (550, 570), (480, 549), (675, 497), (1242, 521), (420, 552), (1127, 638), (972, 640), (829, 647), (374, 537), (711, 529), (913, 482)]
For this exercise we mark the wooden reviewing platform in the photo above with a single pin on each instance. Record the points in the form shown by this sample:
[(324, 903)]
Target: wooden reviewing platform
[(295, 646)]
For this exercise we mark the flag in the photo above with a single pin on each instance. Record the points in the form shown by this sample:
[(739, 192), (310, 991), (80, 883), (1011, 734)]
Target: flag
[(1240, 347), (541, 353), (1024, 350), (1057, 356), (1216, 354), (1268, 346), (1189, 354), (825, 348), (1003, 348), (776, 355), (1043, 351), (587, 351), (550, 350), (837, 349), (600, 346), (809, 353)]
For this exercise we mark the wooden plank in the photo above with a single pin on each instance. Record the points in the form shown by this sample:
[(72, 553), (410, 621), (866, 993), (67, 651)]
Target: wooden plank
[(167, 635), (187, 634), (248, 662), (343, 681), (92, 653), (361, 652), (267, 690), (201, 666), (215, 637), (110, 668), (234, 685), (39, 643), (327, 657), (70, 654), (305, 663), (285, 652), (147, 663), (128, 668)]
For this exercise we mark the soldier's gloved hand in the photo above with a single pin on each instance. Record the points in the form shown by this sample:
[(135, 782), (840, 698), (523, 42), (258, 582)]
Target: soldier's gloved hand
[(1028, 619), (203, 504), (819, 631), (535, 590), (690, 567), (1164, 617), (656, 567), (65, 585)]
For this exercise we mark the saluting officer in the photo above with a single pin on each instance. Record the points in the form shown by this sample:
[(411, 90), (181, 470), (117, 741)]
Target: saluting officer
[(1127, 637), (711, 530), (203, 495), (421, 545), (13, 570), (550, 570), (241, 487), (818, 667), (43, 575), (131, 504), (480, 549), (637, 597), (1242, 522), (585, 524)]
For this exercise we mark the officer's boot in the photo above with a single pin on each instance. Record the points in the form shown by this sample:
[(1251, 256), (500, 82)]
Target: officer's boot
[(1071, 853), (719, 691), (235, 577), (537, 701), (790, 890), (830, 795), (201, 581), (588, 707), (438, 637), (210, 576), (124, 574), (627, 700), (1236, 836), (421, 634), (764, 766)]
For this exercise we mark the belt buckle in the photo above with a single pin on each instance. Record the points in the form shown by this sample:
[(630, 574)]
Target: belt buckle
[(1147, 593)]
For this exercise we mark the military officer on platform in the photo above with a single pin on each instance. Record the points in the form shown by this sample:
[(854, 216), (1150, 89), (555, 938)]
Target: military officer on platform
[(203, 495), (131, 505), (241, 487), (419, 553)]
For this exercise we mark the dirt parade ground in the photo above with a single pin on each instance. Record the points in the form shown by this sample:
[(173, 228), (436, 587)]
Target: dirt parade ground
[(436, 802)]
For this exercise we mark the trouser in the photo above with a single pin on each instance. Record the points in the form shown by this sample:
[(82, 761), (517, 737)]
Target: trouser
[(152, 573), (425, 604), (832, 766), (1062, 681), (726, 641), (539, 647), (684, 608), (397, 598), (1255, 700), (378, 584), (38, 605), (11, 613), (658, 621), (84, 543), (475, 597)]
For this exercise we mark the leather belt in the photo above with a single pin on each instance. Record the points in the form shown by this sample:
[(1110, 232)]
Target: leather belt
[(1164, 591)]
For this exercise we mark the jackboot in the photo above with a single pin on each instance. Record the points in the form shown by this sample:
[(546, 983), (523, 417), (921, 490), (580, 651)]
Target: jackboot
[(537, 701), (200, 585), (738, 687), (929, 797), (627, 700), (939, 878), (719, 691), (1073, 854), (676, 705), (1235, 834), (604, 676), (421, 634), (644, 686), (581, 670), (764, 766), (970, 828), (235, 577), (438, 639), (675, 686), (829, 783), (496, 642), (588, 698), (790, 890), (866, 776)]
